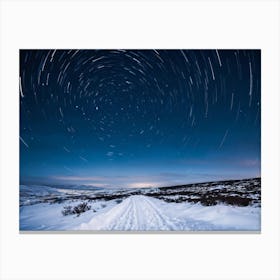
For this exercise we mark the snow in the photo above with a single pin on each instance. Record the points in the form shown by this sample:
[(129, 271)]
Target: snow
[(38, 190), (213, 206), (145, 213), (46, 216)]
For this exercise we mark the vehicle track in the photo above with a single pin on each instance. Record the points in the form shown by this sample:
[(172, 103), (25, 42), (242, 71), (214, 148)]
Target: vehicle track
[(134, 213)]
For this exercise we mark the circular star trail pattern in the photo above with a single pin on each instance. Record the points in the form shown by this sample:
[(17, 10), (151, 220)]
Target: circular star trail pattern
[(118, 106)]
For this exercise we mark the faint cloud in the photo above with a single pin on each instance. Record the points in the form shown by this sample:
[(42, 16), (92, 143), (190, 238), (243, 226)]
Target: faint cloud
[(250, 162), (78, 178), (142, 185)]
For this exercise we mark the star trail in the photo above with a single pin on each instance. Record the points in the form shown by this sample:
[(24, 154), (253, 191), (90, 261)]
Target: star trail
[(137, 118)]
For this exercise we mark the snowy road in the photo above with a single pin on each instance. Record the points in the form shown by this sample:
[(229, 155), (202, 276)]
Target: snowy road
[(134, 213), (142, 213)]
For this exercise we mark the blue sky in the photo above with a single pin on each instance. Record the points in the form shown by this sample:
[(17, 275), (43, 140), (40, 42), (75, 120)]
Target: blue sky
[(138, 118)]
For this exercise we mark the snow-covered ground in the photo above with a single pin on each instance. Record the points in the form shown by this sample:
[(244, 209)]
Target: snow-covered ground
[(48, 216), (221, 206), (141, 213), (145, 213)]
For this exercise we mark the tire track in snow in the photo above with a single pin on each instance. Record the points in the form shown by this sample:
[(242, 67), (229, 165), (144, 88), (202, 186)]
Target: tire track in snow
[(134, 213), (165, 221)]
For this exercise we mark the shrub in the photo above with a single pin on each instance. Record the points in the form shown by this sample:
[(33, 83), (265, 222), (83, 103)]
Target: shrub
[(67, 210), (81, 208), (78, 209), (208, 201)]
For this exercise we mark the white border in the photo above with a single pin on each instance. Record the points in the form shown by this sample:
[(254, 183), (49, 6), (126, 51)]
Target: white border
[(146, 24)]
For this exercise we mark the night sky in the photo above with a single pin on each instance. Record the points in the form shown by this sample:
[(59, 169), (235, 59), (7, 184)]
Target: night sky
[(139, 118)]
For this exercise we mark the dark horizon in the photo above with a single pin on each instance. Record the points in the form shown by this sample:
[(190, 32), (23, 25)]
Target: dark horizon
[(139, 117), (168, 186)]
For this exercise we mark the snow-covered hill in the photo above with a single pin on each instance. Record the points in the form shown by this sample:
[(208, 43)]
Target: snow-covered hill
[(224, 205)]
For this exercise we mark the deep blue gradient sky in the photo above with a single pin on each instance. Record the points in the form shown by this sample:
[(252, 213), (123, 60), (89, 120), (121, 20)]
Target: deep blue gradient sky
[(137, 118)]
